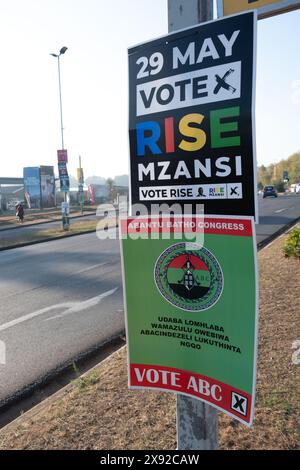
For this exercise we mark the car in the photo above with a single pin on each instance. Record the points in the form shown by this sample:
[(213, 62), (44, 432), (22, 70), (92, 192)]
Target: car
[(297, 188), (269, 191)]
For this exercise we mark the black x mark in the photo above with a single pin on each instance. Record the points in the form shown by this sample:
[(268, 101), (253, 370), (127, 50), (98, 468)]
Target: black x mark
[(239, 404)]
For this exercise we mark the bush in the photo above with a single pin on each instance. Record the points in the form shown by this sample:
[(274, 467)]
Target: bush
[(292, 244), (279, 185)]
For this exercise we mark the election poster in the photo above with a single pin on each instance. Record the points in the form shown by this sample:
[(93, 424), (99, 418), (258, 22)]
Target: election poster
[(32, 186), (63, 177), (47, 186), (191, 118), (190, 295), (62, 156), (265, 8)]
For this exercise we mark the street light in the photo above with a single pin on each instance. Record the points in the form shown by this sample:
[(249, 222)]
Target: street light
[(65, 206), (61, 52)]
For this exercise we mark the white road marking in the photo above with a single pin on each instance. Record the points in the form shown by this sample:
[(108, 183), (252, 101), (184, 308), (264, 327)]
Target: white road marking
[(88, 269), (280, 210), (70, 307), (85, 305)]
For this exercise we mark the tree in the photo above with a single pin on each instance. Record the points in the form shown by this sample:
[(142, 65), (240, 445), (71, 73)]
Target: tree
[(273, 173), (110, 186)]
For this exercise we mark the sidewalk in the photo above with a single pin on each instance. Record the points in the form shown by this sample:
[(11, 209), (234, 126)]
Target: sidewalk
[(39, 217), (99, 412)]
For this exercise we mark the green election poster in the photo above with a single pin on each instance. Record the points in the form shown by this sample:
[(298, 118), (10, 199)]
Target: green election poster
[(190, 289)]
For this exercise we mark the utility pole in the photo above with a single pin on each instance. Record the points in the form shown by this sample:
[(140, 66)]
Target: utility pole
[(65, 205), (197, 422)]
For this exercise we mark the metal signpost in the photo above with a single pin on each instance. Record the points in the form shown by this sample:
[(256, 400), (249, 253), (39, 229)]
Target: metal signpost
[(265, 8), (65, 211), (62, 160), (197, 422)]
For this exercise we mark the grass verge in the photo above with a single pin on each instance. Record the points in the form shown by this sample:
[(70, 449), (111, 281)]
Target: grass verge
[(39, 216), (35, 234)]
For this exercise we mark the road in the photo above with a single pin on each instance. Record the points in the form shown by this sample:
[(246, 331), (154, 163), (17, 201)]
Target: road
[(58, 299), (275, 213), (62, 298)]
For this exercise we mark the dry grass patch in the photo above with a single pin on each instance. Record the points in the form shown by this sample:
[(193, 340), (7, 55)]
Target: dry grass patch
[(98, 414)]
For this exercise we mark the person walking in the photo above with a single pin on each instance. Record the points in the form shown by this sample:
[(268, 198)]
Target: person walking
[(20, 212)]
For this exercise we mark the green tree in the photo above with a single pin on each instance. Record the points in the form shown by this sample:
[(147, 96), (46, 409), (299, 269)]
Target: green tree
[(273, 173)]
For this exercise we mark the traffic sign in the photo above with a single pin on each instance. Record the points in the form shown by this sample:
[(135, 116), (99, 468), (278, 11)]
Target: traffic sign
[(191, 308), (80, 177), (265, 8), (191, 129)]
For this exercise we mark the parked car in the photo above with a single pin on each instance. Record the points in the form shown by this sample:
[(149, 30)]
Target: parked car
[(270, 191), (297, 188)]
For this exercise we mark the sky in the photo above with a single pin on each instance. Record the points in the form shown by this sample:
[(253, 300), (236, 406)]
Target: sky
[(95, 86)]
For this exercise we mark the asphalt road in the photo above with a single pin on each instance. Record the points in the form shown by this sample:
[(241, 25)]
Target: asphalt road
[(62, 298), (58, 299), (275, 213)]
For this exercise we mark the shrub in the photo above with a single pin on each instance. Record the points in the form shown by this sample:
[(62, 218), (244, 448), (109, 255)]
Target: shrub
[(279, 185), (292, 244)]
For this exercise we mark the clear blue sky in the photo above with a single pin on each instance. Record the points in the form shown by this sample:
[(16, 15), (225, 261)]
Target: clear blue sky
[(94, 81), (278, 87)]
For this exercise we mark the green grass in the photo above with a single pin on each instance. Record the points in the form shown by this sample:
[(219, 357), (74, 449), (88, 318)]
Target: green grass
[(291, 247), (84, 382)]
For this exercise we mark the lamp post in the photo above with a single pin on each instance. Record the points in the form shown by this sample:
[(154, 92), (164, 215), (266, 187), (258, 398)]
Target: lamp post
[(63, 171), (61, 52)]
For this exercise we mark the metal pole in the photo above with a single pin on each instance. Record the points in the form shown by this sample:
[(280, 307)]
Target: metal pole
[(185, 13), (197, 422), (65, 218), (61, 116), (60, 102)]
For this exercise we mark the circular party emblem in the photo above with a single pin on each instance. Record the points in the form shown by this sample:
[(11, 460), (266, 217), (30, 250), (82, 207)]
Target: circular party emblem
[(190, 279)]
